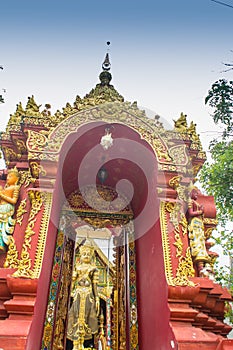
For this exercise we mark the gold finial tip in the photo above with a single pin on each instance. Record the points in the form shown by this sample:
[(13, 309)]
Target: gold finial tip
[(106, 64)]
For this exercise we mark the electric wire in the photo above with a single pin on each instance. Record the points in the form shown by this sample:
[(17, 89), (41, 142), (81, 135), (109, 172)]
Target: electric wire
[(222, 3)]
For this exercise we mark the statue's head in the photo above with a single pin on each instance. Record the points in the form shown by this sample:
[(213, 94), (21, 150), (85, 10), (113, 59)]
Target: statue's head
[(194, 193), (86, 252), (13, 176)]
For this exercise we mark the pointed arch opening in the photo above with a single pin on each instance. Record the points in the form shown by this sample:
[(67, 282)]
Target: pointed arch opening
[(131, 169)]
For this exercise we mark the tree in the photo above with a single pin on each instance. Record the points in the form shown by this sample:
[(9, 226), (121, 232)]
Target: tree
[(220, 97), (216, 176)]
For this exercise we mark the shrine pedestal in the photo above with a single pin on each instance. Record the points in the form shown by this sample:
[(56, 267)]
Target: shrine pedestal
[(226, 344), (23, 290), (197, 315), (13, 334), (19, 307), (4, 291)]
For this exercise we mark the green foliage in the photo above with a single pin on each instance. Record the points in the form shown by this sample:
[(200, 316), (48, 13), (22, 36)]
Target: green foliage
[(220, 97), (216, 176), (224, 277)]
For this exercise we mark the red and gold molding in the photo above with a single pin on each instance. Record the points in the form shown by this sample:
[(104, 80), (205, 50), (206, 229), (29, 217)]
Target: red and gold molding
[(177, 257)]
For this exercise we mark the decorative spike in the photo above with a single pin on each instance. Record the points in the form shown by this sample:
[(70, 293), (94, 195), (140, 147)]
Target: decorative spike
[(106, 64)]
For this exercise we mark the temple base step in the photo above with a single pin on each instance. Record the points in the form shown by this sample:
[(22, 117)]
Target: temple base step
[(13, 334)]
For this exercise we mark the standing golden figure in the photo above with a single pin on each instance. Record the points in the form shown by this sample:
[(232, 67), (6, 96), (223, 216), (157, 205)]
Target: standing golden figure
[(8, 198), (196, 232), (84, 310)]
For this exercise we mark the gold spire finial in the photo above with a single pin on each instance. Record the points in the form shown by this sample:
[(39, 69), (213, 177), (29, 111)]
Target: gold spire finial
[(105, 76), (106, 64)]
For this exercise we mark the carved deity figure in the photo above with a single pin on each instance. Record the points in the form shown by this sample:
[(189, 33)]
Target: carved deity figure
[(181, 123), (196, 232), (16, 117), (32, 108), (84, 310), (8, 198)]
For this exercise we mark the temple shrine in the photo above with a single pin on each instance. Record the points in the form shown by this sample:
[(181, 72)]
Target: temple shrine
[(105, 240)]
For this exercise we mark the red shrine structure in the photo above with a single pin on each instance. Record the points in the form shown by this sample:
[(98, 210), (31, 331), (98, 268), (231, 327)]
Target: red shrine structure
[(102, 171)]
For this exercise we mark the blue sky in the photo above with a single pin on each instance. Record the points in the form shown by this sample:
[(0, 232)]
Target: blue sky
[(164, 54)]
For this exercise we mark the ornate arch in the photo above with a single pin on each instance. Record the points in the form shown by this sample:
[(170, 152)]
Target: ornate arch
[(42, 146)]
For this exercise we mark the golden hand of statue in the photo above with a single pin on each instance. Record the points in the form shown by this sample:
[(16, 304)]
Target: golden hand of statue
[(3, 195), (97, 305)]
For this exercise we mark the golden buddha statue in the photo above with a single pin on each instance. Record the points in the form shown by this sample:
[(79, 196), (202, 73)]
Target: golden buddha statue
[(84, 310), (196, 232), (8, 198)]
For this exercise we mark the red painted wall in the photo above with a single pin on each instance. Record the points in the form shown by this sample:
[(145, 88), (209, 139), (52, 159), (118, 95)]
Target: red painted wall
[(153, 314), (36, 331)]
